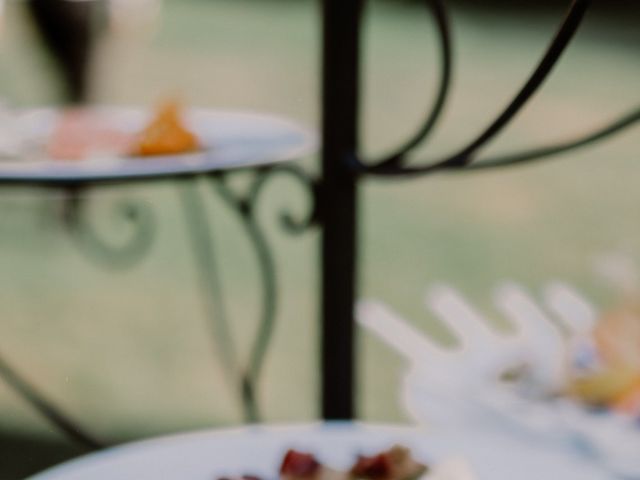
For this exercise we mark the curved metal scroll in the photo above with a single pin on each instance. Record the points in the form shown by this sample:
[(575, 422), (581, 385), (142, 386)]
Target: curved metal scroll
[(465, 156), (136, 216), (139, 217), (243, 378), (441, 17), (525, 156)]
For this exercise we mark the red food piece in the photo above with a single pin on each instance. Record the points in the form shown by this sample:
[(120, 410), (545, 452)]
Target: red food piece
[(243, 477), (298, 464), (80, 133), (375, 468)]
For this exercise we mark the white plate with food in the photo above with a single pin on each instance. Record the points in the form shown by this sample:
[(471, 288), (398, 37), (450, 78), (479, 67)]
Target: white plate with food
[(51, 145), (572, 380), (338, 451)]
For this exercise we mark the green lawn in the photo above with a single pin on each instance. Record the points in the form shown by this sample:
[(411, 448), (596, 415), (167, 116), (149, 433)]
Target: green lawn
[(128, 350)]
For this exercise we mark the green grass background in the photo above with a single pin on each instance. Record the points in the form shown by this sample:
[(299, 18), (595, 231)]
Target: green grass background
[(127, 351)]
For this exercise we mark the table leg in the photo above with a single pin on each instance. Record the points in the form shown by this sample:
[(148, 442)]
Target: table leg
[(251, 374), (198, 227), (47, 409), (241, 376)]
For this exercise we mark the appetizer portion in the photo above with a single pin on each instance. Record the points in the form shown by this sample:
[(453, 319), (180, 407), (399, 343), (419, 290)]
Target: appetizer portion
[(393, 464), (166, 134), (80, 134), (84, 133), (608, 375)]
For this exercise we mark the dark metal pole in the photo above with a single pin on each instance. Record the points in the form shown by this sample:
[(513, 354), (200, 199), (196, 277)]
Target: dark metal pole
[(338, 204)]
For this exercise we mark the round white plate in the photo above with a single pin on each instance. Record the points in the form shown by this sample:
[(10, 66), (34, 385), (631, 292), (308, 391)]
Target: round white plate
[(231, 139), (259, 451)]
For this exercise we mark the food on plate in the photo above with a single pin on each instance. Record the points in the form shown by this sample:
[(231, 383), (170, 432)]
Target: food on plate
[(83, 133), (612, 378), (605, 387), (393, 464), (80, 134), (629, 401), (617, 336), (166, 134)]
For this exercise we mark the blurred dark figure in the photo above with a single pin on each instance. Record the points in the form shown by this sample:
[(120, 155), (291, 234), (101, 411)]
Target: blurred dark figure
[(69, 30)]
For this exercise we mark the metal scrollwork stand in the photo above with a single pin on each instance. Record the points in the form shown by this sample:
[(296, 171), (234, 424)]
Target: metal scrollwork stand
[(343, 168), (245, 206), (334, 209), (138, 217)]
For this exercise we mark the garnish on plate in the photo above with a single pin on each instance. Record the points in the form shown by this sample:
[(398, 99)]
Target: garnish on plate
[(166, 133), (81, 133), (393, 464), (613, 379)]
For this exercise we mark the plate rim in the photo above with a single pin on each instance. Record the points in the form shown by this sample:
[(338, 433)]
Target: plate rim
[(68, 174), (54, 472), (394, 432)]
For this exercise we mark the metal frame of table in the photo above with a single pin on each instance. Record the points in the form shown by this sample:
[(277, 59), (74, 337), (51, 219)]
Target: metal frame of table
[(334, 210), (241, 376)]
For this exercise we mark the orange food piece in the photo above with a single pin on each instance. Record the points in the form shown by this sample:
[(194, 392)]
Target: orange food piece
[(617, 336), (604, 387), (166, 134), (629, 402)]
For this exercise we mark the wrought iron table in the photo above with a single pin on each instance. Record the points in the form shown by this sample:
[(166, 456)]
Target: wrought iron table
[(232, 141)]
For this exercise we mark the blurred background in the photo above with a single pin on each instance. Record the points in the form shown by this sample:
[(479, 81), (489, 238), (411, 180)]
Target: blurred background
[(125, 350)]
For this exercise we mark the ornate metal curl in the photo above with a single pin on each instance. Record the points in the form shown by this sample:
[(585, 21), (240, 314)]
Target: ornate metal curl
[(287, 219), (245, 207), (463, 159), (441, 17), (243, 378), (140, 220)]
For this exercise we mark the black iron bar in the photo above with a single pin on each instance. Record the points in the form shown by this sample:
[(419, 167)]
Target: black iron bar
[(338, 205), (534, 154)]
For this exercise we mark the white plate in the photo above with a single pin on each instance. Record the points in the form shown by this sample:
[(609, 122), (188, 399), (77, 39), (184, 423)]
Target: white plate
[(231, 139), (259, 451)]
